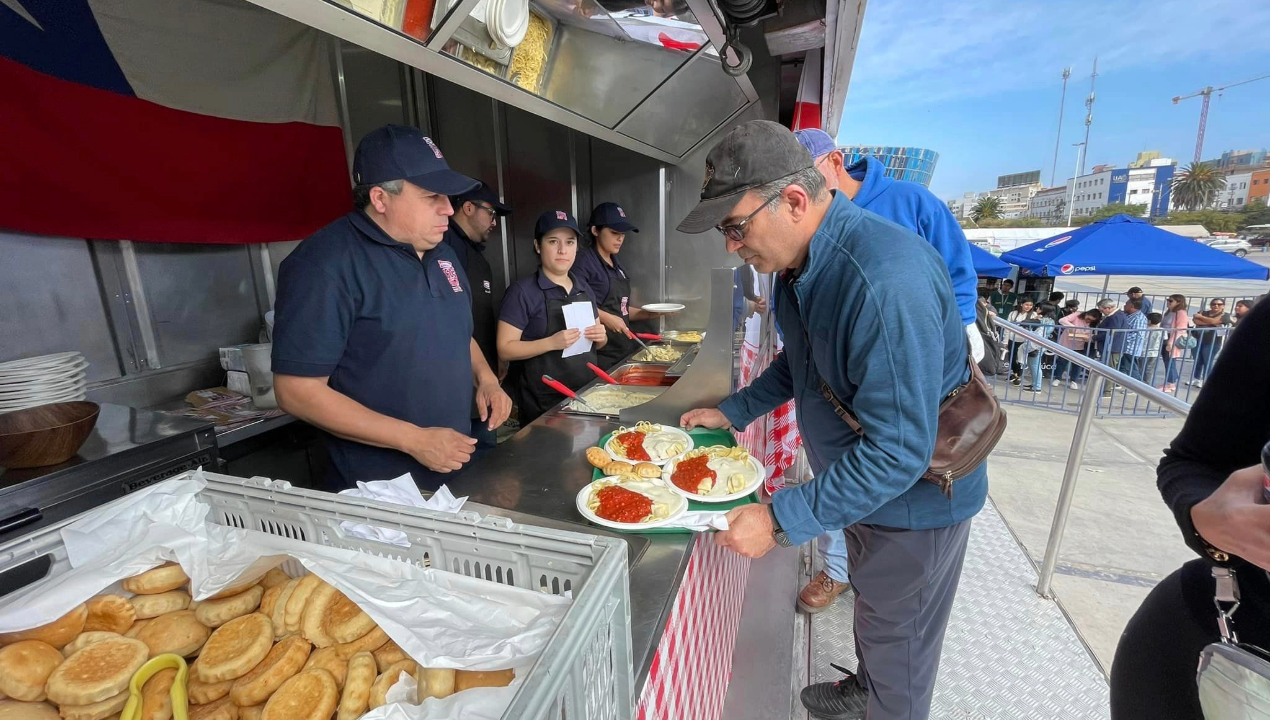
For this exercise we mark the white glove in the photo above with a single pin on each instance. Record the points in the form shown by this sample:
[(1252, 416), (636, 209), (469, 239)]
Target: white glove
[(976, 342)]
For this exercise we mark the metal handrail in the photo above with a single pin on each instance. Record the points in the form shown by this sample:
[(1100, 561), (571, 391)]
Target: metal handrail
[(1100, 373)]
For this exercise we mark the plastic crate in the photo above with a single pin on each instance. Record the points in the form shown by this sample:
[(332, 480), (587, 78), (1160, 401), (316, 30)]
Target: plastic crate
[(585, 671)]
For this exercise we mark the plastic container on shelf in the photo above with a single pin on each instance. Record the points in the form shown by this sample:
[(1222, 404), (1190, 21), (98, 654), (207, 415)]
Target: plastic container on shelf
[(507, 21), (258, 361), (584, 673)]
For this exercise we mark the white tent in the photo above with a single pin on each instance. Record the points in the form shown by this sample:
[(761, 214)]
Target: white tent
[(999, 240), (1190, 231)]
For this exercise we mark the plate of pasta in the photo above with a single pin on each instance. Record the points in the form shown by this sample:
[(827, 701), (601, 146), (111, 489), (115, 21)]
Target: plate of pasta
[(629, 503), (714, 474), (647, 442)]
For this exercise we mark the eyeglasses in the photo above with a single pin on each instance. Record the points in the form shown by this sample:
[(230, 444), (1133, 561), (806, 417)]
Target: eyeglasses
[(736, 231), (486, 208)]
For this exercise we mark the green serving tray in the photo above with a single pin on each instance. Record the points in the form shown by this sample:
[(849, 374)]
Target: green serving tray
[(701, 437)]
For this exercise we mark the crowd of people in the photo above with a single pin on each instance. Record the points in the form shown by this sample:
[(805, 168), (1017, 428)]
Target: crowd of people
[(1145, 343)]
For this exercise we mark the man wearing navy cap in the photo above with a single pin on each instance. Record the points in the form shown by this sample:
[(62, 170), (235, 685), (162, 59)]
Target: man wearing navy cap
[(476, 214), (373, 335), (912, 206), (837, 275)]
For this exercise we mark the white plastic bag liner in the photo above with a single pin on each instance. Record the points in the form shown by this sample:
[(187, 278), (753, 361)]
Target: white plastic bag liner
[(440, 619), (472, 704)]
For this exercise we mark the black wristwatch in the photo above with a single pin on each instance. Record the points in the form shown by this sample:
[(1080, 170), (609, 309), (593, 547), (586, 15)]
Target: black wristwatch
[(778, 532)]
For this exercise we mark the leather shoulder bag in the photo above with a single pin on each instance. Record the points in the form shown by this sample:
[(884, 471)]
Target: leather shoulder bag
[(971, 422)]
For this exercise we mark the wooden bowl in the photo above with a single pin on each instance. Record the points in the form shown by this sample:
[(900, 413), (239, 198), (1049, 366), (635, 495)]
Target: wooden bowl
[(45, 434)]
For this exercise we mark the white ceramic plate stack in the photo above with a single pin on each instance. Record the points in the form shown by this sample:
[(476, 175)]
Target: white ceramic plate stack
[(25, 383)]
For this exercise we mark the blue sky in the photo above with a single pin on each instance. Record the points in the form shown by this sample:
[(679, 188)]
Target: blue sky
[(979, 82)]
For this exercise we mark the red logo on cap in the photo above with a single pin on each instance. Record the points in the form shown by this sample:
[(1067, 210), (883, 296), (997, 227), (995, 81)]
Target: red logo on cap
[(561, 215), (621, 212), (447, 267), (435, 150)]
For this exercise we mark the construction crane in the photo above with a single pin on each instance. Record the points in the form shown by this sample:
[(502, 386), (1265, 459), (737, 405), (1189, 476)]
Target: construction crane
[(1207, 93)]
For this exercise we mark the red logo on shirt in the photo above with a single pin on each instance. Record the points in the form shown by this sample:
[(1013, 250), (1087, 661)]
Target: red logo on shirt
[(447, 267), (561, 215)]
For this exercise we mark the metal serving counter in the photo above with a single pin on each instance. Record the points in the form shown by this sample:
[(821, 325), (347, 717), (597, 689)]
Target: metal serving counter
[(539, 472)]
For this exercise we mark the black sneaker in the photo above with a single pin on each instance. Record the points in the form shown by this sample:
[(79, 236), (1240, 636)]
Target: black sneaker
[(842, 700)]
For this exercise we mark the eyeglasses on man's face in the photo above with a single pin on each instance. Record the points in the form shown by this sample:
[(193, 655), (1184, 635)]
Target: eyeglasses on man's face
[(736, 231)]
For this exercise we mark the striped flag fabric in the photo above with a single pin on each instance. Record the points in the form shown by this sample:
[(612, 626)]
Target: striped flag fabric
[(207, 121)]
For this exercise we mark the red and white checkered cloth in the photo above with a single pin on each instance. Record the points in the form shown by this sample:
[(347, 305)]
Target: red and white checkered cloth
[(689, 676), (773, 437)]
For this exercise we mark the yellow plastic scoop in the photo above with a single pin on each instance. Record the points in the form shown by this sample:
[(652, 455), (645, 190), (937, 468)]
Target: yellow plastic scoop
[(132, 710)]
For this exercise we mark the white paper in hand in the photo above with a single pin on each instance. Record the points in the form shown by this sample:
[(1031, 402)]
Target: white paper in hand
[(578, 316)]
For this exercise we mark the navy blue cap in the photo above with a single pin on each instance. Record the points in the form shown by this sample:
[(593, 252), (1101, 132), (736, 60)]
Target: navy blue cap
[(611, 215), (482, 194), (398, 152), (553, 219), (816, 141)]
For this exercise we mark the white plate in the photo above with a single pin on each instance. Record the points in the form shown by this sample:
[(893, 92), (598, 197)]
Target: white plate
[(10, 407), (608, 446), (585, 494), (662, 307), (51, 373), (42, 386), (41, 361), (760, 473)]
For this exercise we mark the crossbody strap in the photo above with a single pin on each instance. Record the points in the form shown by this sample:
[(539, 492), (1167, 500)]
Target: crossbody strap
[(849, 417)]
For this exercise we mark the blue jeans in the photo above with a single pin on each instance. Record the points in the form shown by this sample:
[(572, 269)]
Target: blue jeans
[(1061, 365), (1172, 368), (1131, 366), (1034, 362), (1204, 355), (832, 548)]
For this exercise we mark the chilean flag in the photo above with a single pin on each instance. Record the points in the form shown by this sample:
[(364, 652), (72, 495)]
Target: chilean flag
[(807, 105), (209, 121)]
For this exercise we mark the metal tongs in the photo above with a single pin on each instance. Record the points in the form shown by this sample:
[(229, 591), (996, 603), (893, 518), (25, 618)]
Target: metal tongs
[(563, 389)]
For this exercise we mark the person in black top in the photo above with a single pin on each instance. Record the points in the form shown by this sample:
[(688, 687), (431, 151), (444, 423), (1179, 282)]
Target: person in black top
[(1211, 478), (532, 333), (476, 214), (599, 267)]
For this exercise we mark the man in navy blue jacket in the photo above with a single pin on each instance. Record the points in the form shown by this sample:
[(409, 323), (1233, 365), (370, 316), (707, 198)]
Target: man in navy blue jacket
[(908, 205), (841, 270)]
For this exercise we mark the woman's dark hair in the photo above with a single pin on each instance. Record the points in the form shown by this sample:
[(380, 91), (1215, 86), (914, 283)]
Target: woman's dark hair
[(1024, 299), (1180, 299), (1046, 310), (1093, 317)]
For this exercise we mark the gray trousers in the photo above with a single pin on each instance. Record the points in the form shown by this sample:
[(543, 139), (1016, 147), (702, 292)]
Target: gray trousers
[(904, 581)]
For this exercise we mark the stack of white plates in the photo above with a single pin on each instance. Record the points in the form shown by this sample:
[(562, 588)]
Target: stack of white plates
[(25, 383)]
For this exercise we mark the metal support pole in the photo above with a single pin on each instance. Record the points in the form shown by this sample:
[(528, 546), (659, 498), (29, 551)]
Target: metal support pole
[(1106, 283), (1075, 457)]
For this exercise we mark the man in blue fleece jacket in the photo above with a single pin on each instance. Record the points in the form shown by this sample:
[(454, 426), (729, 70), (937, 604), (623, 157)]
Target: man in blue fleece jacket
[(842, 271), (912, 206)]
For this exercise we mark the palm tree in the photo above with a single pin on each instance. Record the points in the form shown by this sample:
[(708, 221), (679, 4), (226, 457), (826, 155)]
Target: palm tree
[(1197, 186), (988, 208)]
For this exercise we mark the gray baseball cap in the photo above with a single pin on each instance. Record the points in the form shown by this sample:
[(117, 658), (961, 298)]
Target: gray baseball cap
[(751, 155)]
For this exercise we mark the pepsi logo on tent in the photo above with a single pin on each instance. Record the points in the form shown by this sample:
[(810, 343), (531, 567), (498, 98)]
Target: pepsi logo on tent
[(1069, 268)]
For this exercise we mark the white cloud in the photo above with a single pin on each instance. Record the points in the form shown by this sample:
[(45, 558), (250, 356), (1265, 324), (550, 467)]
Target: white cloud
[(920, 52)]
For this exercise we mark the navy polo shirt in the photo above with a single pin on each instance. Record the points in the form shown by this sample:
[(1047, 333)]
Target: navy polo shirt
[(525, 304), (597, 273), (390, 330)]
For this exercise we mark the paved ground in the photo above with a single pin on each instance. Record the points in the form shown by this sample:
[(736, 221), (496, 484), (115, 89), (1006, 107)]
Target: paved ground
[(1120, 539)]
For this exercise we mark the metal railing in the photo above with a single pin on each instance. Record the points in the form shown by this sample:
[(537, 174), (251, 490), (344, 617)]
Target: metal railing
[(1089, 299), (1032, 375), (1098, 374)]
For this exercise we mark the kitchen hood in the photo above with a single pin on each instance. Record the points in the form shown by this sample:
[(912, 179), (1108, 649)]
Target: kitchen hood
[(643, 76)]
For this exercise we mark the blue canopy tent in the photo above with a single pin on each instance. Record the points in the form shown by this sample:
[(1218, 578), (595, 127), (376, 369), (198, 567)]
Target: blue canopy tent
[(1124, 245), (986, 264)]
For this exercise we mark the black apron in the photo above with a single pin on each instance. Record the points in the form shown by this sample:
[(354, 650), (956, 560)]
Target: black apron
[(484, 321), (619, 347), (534, 397)]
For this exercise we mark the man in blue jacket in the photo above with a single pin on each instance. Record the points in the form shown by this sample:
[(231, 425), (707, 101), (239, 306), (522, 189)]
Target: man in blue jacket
[(908, 205), (841, 270)]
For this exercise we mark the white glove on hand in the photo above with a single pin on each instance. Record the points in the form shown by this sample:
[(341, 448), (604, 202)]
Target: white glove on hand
[(976, 342)]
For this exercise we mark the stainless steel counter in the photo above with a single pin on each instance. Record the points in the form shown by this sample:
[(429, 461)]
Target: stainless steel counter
[(540, 472)]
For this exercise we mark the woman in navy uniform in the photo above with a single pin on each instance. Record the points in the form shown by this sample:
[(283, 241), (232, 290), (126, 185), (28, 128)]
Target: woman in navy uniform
[(531, 327), (600, 268)]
